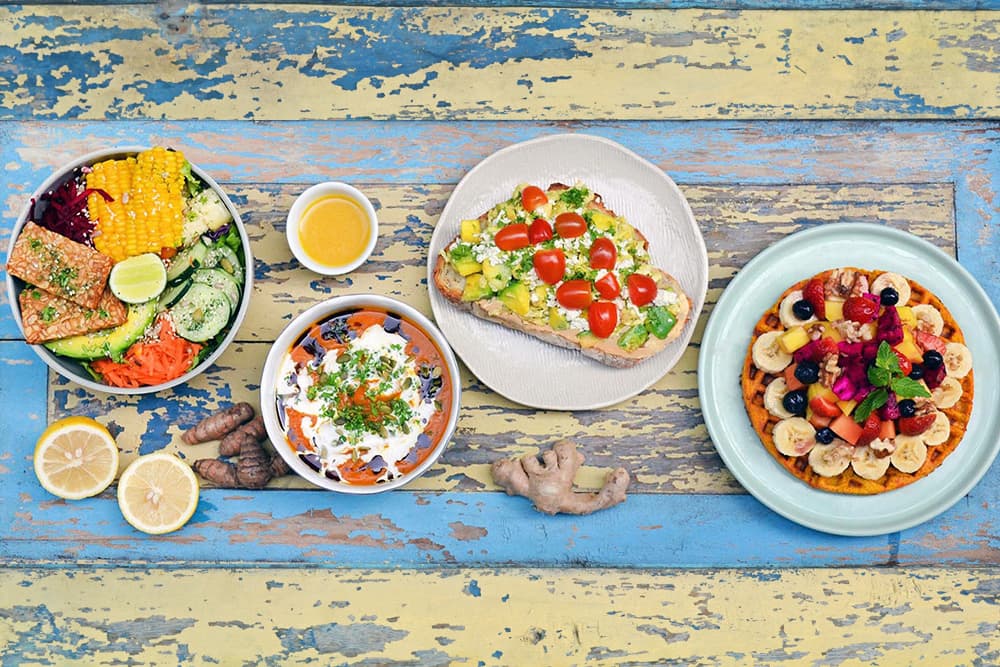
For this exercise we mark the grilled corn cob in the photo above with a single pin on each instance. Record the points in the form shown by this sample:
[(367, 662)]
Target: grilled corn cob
[(147, 213)]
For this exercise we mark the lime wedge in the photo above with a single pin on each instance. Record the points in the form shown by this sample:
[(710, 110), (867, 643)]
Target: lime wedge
[(138, 279)]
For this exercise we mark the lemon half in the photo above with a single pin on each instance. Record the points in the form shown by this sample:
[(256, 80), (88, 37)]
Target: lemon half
[(75, 458), (138, 279), (158, 493)]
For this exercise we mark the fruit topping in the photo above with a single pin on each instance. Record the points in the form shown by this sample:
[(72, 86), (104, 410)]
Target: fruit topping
[(890, 326), (870, 429), (888, 296), (933, 377), (890, 410), (824, 436), (907, 408), (917, 371), (802, 309), (807, 372), (917, 424), (813, 293), (795, 402), (928, 341), (905, 365), (933, 360), (861, 310), (824, 407)]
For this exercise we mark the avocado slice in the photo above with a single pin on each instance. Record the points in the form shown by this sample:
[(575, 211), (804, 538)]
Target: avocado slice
[(109, 342)]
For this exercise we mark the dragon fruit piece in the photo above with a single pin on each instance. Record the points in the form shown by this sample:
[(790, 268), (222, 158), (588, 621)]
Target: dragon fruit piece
[(891, 408), (874, 298), (849, 350), (808, 352), (934, 377), (869, 350), (844, 388), (890, 327)]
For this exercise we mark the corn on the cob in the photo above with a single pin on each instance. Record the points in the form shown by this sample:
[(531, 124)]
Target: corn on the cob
[(147, 212)]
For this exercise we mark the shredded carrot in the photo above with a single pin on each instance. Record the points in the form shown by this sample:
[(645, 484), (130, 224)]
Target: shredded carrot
[(151, 362)]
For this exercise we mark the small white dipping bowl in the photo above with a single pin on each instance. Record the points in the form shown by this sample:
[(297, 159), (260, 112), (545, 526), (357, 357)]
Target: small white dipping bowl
[(303, 201), (299, 327)]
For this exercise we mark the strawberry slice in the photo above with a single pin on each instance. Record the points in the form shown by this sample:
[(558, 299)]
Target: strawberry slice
[(813, 293), (928, 341), (916, 424), (823, 407), (871, 430), (860, 310)]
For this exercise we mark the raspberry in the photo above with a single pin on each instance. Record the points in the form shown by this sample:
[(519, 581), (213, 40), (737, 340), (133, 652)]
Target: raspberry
[(813, 293), (860, 310)]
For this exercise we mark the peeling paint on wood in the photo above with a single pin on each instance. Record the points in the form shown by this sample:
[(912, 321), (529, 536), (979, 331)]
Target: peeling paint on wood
[(509, 617)]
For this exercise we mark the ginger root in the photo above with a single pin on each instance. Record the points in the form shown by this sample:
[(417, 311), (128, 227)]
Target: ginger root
[(549, 484), (219, 424)]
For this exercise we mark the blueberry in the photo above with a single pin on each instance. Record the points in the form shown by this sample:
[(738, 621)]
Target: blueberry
[(917, 372), (802, 309), (932, 359), (889, 297), (795, 402), (807, 372), (824, 436), (907, 408)]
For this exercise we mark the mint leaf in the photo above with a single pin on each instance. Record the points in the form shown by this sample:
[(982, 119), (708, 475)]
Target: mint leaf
[(872, 402), (908, 388), (879, 377), (887, 359)]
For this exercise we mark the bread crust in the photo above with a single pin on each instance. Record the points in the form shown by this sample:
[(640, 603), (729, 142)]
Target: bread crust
[(450, 284)]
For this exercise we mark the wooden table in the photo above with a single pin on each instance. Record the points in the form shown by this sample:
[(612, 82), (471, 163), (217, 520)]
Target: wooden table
[(770, 121)]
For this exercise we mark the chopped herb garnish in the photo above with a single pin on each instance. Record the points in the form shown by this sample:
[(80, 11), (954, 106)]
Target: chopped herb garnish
[(48, 314)]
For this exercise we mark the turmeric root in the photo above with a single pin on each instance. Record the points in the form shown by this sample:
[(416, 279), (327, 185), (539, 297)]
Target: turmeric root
[(220, 473), (219, 424), (252, 431), (549, 485)]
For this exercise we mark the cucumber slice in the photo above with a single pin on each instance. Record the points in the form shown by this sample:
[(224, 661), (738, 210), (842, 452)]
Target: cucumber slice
[(186, 262), (221, 281), (201, 313), (173, 294), (225, 258)]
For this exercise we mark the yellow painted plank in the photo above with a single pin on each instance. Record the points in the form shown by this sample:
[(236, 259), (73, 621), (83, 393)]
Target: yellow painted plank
[(281, 61), (512, 617), (659, 435)]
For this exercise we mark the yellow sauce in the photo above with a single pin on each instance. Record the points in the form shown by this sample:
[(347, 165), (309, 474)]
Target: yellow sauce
[(334, 230)]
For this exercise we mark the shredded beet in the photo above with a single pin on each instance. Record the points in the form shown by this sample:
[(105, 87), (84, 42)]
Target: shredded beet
[(65, 210)]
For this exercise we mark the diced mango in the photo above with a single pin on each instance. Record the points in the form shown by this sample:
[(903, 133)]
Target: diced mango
[(906, 316), (476, 288), (908, 348), (834, 310), (847, 407), (793, 339), (471, 230), (817, 390)]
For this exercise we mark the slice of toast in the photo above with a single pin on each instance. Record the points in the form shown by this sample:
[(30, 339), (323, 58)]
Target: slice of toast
[(450, 283)]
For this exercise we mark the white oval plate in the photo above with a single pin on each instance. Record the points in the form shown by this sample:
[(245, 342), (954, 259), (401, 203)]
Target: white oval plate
[(724, 346), (525, 369)]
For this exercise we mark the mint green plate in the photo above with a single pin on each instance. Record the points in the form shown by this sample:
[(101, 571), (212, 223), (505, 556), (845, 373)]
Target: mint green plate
[(727, 337)]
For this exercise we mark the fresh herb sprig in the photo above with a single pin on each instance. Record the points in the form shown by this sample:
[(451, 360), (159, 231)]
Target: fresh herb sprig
[(886, 375)]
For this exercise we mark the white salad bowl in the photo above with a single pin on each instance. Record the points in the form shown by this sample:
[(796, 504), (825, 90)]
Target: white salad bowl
[(74, 370), (295, 331)]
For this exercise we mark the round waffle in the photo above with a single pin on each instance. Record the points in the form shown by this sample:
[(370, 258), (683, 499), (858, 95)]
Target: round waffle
[(755, 382)]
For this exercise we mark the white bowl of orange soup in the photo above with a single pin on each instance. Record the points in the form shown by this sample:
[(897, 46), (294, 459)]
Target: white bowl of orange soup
[(332, 228), (360, 394)]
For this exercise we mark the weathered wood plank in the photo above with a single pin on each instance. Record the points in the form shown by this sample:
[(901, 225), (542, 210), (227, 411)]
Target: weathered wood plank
[(659, 435), (271, 62), (510, 617)]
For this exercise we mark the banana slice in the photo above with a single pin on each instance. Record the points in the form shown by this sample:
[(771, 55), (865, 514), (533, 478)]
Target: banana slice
[(831, 460), (766, 354), (938, 432), (868, 464), (786, 313), (929, 319), (772, 398), (895, 281), (794, 437), (946, 394), (957, 359), (910, 454)]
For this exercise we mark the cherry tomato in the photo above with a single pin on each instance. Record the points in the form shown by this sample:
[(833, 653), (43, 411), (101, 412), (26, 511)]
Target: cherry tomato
[(550, 265), (570, 225), (641, 289), (603, 254), (512, 237), (602, 316), (608, 286), (532, 197), (905, 364), (540, 230), (574, 294)]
